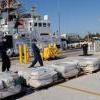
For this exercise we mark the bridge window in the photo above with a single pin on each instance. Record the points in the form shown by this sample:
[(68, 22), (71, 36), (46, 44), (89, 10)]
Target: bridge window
[(40, 24), (35, 24), (44, 34), (48, 24), (44, 24)]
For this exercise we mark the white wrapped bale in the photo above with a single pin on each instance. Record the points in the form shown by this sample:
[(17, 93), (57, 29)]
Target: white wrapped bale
[(67, 69), (87, 63), (25, 74), (39, 83), (9, 84), (1, 85), (8, 79), (40, 76), (90, 64), (10, 91)]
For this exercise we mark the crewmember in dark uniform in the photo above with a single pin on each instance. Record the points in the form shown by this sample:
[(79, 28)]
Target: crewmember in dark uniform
[(4, 57), (37, 56), (5, 61), (85, 49)]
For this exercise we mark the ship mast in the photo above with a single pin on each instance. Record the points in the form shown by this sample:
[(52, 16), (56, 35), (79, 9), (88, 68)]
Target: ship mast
[(9, 7)]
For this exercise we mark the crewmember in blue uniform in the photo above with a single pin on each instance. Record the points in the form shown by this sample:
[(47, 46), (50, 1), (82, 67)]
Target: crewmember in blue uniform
[(37, 56)]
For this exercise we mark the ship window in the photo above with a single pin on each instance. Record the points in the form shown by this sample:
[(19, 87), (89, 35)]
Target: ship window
[(30, 29), (48, 24), (44, 34), (30, 24), (40, 24), (44, 24), (35, 24), (23, 35)]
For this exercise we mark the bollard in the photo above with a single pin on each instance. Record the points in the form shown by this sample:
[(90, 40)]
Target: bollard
[(20, 54), (54, 45), (25, 53), (49, 45), (28, 55)]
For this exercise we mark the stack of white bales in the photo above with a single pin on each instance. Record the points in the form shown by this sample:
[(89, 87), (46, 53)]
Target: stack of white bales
[(87, 63), (9, 84), (68, 68), (39, 76), (90, 64)]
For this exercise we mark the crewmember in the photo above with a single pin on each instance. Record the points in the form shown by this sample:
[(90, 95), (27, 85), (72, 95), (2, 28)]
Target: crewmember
[(85, 49), (4, 57), (5, 61), (37, 56)]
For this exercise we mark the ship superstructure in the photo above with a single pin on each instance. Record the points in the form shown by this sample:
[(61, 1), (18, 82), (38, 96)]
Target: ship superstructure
[(23, 26)]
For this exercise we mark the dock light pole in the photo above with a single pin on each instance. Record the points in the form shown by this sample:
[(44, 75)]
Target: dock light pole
[(59, 23), (59, 27)]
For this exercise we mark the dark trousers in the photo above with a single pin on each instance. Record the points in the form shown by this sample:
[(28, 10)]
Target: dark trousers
[(39, 59), (85, 51), (5, 66)]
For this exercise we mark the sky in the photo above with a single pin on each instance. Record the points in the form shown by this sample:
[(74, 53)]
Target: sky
[(76, 16)]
